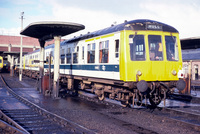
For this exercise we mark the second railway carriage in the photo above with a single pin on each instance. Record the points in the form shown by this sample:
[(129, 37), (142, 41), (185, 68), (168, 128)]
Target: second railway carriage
[(1, 63), (127, 62)]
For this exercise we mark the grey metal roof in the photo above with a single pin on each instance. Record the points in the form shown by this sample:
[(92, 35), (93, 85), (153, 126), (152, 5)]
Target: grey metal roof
[(140, 24), (48, 29), (192, 54), (190, 43)]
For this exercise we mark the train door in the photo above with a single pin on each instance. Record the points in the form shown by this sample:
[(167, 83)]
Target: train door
[(116, 73), (196, 72)]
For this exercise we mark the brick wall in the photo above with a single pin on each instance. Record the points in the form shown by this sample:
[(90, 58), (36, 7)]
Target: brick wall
[(16, 40)]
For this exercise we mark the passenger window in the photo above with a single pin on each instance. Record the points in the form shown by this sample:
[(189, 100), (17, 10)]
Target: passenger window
[(103, 51), (91, 53), (75, 55), (155, 47), (62, 56), (116, 48), (171, 48), (83, 52), (68, 55), (137, 47)]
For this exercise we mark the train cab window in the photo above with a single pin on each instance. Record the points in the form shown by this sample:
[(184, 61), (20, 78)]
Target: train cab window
[(68, 55), (137, 47), (103, 51), (91, 53), (171, 48), (155, 47), (116, 48)]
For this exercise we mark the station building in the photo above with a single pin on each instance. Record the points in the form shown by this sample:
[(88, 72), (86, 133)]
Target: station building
[(191, 57), (12, 44)]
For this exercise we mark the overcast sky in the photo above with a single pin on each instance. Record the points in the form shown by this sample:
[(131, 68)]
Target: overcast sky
[(184, 15)]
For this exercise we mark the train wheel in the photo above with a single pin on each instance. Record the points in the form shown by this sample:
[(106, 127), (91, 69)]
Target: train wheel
[(155, 100), (101, 97), (75, 92), (125, 104)]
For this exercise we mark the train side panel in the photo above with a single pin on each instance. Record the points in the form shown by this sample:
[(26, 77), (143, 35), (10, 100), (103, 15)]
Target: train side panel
[(84, 67)]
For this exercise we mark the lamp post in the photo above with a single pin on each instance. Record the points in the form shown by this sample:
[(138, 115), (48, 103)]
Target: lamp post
[(20, 71)]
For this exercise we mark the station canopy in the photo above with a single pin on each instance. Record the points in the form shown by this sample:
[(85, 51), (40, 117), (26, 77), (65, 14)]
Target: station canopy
[(190, 43), (48, 29)]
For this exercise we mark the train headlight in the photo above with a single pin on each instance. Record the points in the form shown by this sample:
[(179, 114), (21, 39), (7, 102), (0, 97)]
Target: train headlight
[(174, 72), (139, 73)]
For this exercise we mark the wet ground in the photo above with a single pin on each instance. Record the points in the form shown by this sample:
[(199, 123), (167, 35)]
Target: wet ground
[(101, 118), (8, 101)]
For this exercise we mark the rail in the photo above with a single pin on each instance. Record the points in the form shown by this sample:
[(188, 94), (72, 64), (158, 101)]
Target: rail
[(60, 120)]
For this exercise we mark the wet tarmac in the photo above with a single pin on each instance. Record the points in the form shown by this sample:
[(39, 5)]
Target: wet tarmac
[(9, 102)]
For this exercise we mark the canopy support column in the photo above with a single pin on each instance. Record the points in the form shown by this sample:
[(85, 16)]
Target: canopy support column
[(56, 66), (41, 66)]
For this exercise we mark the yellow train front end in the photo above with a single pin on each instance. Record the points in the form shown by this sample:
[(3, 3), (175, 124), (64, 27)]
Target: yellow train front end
[(150, 59), (1, 63), (150, 56)]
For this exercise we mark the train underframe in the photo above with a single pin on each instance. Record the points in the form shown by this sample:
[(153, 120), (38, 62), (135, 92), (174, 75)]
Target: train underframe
[(127, 93)]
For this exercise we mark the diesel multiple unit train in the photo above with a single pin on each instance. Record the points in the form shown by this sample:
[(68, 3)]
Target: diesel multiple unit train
[(129, 62)]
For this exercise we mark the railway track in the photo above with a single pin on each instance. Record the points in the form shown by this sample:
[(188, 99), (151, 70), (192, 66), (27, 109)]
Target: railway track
[(180, 117), (32, 122), (170, 114), (36, 119)]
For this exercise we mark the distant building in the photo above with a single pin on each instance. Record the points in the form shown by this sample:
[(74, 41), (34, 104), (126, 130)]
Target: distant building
[(13, 44), (191, 55)]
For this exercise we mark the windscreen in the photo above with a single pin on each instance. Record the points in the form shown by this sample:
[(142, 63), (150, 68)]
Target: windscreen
[(137, 47), (171, 48)]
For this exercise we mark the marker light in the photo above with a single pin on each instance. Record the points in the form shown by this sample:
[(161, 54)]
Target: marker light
[(139, 73), (174, 72)]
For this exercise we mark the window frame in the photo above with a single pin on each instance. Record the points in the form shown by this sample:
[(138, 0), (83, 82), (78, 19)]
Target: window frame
[(156, 52), (137, 51), (103, 51)]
